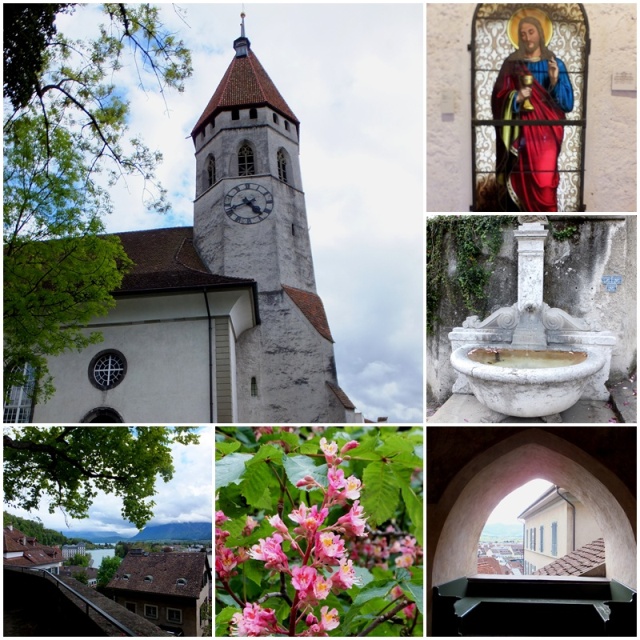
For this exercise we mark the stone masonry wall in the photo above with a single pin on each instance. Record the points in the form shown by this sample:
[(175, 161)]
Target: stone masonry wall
[(604, 245)]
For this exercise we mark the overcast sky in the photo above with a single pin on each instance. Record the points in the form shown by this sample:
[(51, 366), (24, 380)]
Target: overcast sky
[(188, 497), (353, 75), (517, 501)]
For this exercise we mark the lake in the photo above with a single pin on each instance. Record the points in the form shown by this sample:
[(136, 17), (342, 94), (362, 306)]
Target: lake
[(98, 554)]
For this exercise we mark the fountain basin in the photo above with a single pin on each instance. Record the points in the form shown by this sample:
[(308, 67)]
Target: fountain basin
[(527, 383)]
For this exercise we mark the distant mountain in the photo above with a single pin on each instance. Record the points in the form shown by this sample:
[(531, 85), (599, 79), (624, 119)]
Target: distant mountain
[(502, 531), (176, 531), (97, 536)]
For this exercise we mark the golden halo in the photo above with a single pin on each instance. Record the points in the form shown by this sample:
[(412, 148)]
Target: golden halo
[(514, 23)]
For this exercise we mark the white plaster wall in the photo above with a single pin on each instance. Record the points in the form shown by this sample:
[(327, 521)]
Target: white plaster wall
[(610, 151)]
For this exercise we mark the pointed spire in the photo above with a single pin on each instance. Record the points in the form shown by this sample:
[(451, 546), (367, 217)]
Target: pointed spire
[(242, 44)]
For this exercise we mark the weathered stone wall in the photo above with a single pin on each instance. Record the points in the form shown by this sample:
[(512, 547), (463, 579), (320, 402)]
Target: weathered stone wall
[(602, 245), (610, 150)]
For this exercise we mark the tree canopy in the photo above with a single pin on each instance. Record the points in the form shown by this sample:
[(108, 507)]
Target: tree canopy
[(66, 141), (68, 465)]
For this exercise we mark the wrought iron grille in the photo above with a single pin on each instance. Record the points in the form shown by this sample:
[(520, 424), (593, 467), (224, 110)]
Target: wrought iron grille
[(490, 46)]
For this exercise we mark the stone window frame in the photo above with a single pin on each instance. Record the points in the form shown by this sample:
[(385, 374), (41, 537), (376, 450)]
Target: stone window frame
[(282, 160), (246, 160), (122, 371)]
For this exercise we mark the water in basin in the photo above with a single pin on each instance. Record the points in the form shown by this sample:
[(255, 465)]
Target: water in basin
[(526, 358)]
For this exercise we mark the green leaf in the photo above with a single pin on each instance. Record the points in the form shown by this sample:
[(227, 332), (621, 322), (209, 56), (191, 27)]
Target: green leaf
[(267, 452), (363, 575), (230, 469), (226, 448), (224, 617), (415, 592), (415, 510), (259, 486), (380, 494), (297, 467), (376, 589), (254, 571), (394, 445), (291, 440)]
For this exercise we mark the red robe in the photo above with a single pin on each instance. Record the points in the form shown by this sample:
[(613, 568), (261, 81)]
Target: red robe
[(527, 157)]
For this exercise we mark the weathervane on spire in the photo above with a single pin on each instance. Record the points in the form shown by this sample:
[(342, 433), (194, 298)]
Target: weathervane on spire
[(242, 44)]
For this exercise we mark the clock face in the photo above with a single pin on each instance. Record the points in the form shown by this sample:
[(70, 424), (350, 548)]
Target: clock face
[(248, 203)]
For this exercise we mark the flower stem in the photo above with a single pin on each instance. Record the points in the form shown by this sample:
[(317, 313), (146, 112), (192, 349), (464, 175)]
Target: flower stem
[(402, 603)]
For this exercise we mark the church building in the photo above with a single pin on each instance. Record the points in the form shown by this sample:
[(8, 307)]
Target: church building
[(220, 322)]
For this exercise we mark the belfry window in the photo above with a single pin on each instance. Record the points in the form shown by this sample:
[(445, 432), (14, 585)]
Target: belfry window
[(253, 113), (246, 164), (282, 166), (211, 171), (19, 403), (254, 387)]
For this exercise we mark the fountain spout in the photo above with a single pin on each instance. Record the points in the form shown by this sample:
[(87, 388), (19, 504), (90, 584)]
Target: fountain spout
[(530, 332)]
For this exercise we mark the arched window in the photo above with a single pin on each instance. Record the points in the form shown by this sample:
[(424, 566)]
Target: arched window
[(18, 405), (282, 166), (103, 415), (246, 164), (494, 38), (211, 171)]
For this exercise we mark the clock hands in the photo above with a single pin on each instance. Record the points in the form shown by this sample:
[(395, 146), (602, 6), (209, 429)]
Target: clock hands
[(245, 201)]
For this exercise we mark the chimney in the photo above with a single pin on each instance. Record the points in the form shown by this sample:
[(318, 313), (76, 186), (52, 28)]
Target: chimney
[(10, 527)]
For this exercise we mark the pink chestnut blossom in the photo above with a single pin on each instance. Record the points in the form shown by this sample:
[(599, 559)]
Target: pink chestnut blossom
[(345, 576), (352, 444), (226, 561), (330, 450), (270, 551), (254, 621), (276, 522), (352, 488), (302, 579), (336, 481), (328, 619), (329, 547), (220, 517), (352, 522), (308, 519), (322, 587)]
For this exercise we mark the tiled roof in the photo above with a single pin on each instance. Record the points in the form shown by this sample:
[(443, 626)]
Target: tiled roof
[(488, 565), (589, 559), (342, 396), (165, 570), (311, 306), (33, 554), (245, 84), (167, 259)]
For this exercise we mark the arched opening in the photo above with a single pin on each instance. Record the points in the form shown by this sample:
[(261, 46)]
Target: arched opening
[(103, 415), (456, 522)]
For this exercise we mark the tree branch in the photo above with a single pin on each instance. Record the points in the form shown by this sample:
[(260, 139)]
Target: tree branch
[(402, 603)]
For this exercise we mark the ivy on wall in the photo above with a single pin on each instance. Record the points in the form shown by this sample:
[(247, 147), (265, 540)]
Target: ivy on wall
[(476, 241)]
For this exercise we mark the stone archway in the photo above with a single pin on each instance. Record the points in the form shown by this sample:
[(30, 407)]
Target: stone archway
[(455, 524)]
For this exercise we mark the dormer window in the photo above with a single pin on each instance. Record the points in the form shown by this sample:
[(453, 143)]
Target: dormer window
[(126, 576), (148, 578), (181, 582)]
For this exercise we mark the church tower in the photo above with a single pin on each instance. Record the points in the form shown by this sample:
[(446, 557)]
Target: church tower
[(250, 221)]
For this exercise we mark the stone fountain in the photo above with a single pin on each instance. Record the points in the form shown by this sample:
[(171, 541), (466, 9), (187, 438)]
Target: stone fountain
[(529, 360)]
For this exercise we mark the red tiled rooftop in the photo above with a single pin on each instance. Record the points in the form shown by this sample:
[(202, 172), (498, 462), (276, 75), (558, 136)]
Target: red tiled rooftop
[(165, 569), (589, 559), (311, 306), (167, 259), (245, 84)]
